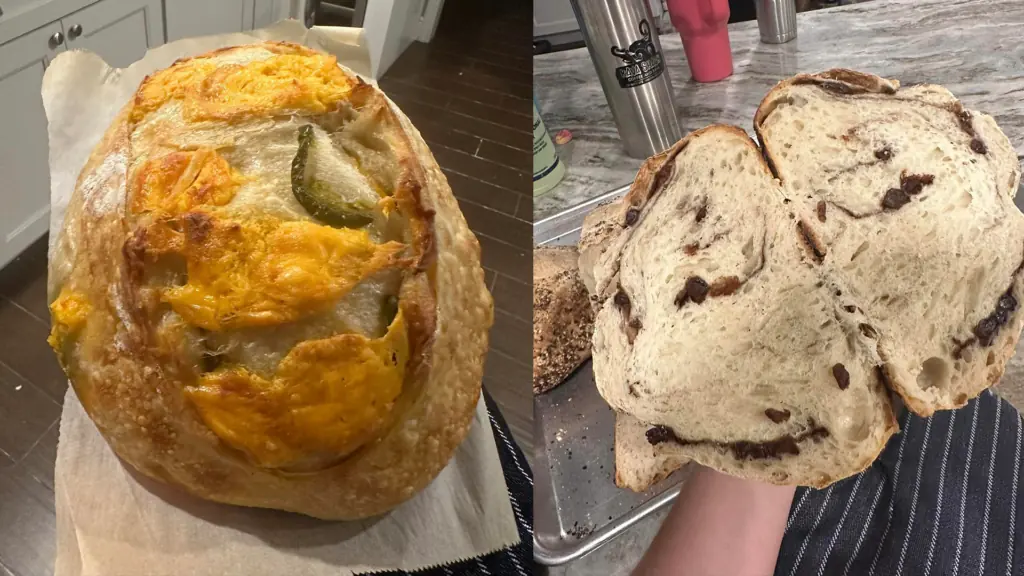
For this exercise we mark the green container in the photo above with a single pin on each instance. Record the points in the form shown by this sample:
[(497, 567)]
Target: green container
[(548, 170)]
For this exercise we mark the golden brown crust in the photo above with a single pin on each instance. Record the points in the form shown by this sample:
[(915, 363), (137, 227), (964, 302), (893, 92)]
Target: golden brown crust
[(130, 369), (563, 321)]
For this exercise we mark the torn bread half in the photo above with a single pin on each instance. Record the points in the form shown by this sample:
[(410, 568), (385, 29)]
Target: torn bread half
[(756, 305)]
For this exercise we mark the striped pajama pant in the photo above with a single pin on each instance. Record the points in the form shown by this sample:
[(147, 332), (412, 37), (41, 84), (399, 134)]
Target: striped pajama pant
[(941, 499)]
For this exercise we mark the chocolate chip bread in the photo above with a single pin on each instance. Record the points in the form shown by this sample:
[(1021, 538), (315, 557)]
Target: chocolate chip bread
[(563, 321), (757, 305)]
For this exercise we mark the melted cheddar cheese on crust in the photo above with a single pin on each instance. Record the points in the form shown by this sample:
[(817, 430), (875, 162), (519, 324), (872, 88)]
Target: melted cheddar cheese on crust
[(183, 180), (328, 398), (227, 268), (68, 314), (309, 83), (264, 272)]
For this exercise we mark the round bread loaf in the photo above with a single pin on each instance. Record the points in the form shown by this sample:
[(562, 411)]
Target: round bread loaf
[(264, 291)]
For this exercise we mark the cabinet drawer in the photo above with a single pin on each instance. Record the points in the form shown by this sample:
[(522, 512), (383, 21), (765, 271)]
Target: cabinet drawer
[(120, 31), (190, 18), (24, 155)]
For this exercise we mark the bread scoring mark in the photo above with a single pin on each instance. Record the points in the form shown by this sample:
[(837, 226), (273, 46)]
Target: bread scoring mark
[(810, 241), (777, 416), (841, 375), (772, 449), (695, 290), (821, 210)]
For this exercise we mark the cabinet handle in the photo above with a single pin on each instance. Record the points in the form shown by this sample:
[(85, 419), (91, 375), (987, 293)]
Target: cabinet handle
[(74, 32), (56, 40)]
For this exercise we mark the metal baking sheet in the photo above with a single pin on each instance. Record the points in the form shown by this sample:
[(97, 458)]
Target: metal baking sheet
[(577, 506)]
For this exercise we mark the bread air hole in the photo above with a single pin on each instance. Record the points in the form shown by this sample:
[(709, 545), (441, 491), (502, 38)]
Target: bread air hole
[(748, 248), (860, 250), (991, 359), (934, 374)]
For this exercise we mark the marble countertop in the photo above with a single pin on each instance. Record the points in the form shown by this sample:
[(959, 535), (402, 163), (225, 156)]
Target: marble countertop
[(973, 47)]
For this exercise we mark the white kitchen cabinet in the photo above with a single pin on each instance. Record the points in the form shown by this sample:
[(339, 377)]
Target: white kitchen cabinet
[(188, 18), (25, 188), (120, 31), (552, 17), (264, 13)]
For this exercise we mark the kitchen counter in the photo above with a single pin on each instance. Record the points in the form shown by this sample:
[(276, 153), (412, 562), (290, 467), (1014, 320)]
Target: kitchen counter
[(972, 47)]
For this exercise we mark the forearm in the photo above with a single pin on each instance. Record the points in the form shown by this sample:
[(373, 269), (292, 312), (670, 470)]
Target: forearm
[(720, 525)]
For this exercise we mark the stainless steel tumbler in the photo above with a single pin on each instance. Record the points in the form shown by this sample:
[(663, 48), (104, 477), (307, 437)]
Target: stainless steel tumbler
[(622, 37), (776, 20)]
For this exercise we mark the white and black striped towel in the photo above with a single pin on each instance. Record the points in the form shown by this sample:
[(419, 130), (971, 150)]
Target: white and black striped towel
[(516, 560), (942, 499)]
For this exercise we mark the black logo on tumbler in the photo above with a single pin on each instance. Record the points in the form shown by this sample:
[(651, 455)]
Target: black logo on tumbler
[(642, 61)]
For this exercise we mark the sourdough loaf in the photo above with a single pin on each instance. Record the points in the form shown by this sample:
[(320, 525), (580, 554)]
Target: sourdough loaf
[(756, 305), (563, 322)]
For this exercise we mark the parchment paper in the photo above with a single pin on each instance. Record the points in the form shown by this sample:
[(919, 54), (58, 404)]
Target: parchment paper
[(111, 521)]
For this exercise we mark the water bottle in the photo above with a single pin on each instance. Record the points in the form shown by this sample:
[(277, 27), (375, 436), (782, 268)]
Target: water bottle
[(623, 42), (548, 169)]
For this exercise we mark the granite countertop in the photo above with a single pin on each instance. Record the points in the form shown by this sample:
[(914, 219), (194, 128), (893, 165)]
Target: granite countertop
[(973, 47)]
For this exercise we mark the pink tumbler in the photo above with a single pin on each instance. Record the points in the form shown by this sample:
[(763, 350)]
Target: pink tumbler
[(703, 25)]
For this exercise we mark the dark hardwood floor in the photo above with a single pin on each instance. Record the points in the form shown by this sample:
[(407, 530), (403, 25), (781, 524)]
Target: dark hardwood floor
[(32, 389), (468, 92)]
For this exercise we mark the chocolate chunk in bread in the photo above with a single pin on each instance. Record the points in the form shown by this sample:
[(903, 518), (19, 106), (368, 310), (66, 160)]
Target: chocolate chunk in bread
[(841, 375)]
